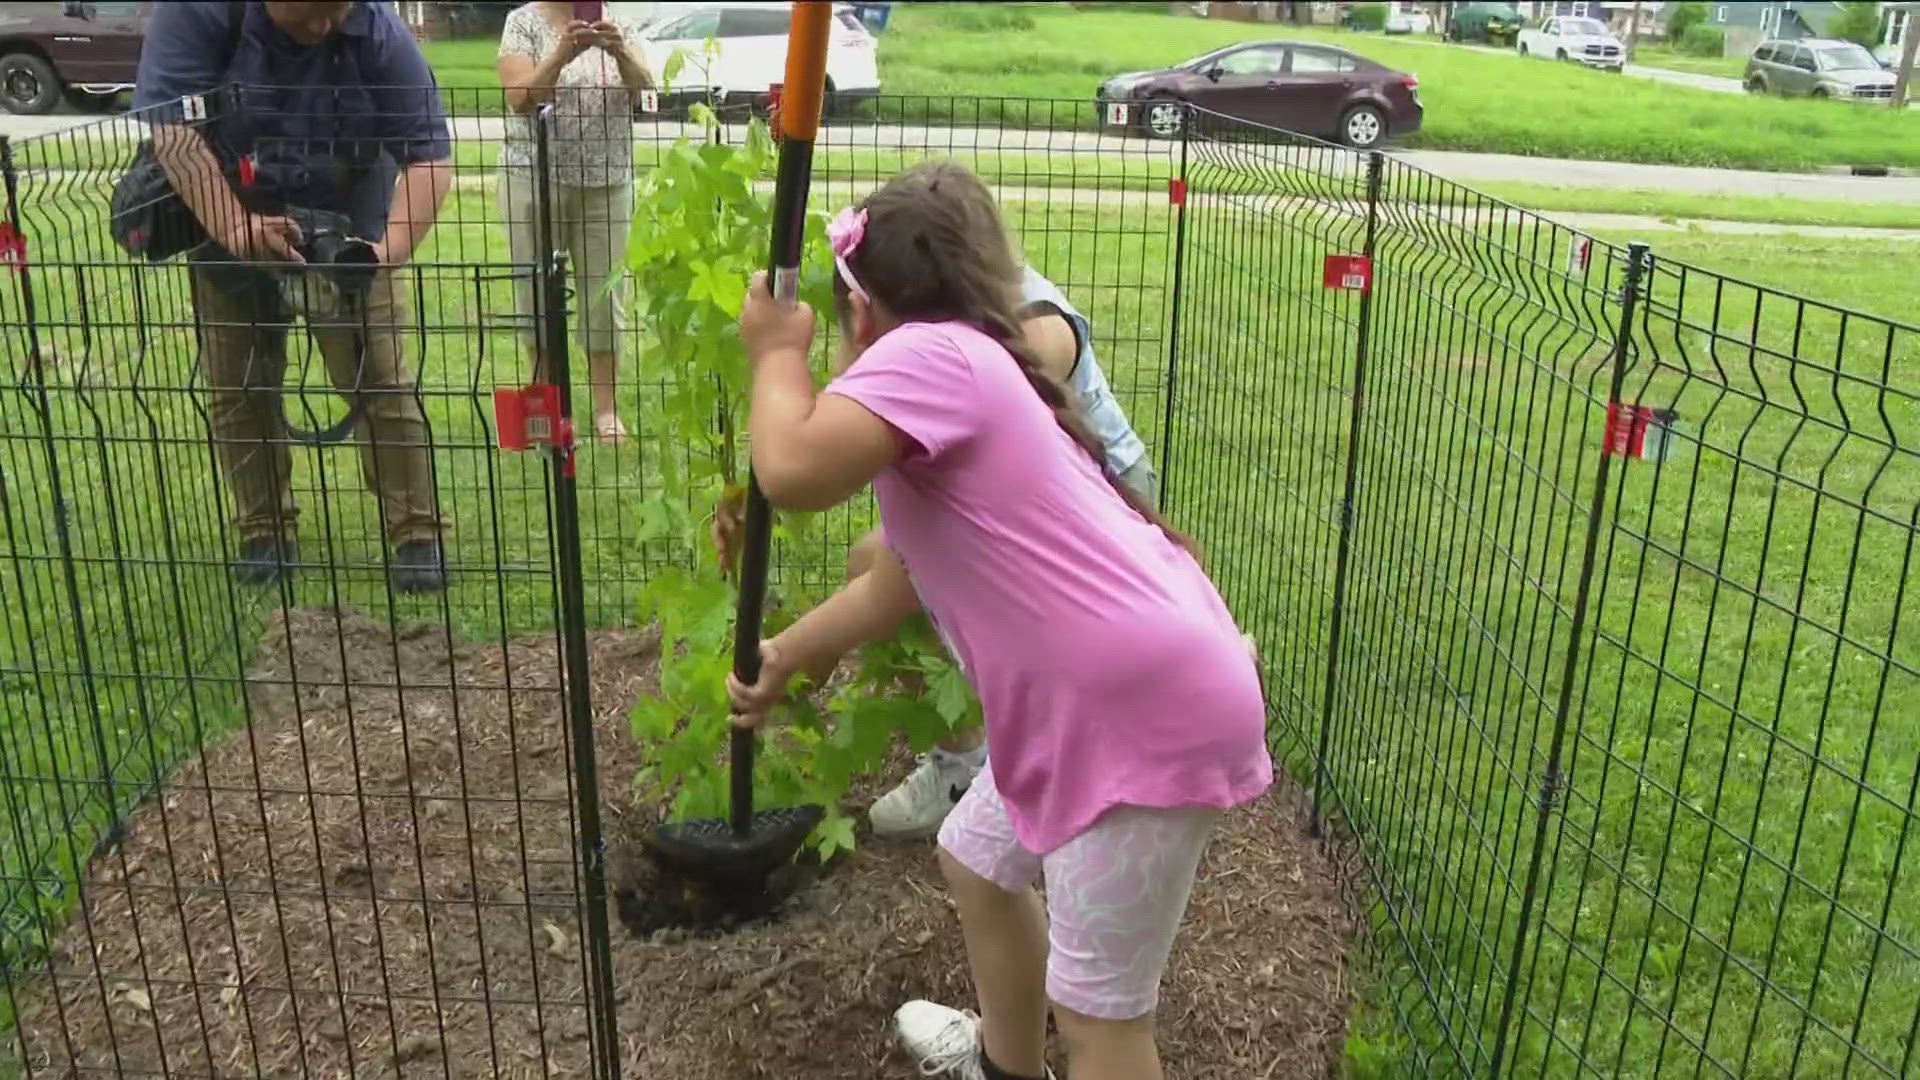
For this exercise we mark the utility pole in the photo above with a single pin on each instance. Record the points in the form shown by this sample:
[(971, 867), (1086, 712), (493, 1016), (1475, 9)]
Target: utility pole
[(1910, 44), (1633, 30)]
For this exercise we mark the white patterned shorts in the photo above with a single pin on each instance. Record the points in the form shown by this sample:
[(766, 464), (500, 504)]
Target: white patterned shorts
[(1115, 893)]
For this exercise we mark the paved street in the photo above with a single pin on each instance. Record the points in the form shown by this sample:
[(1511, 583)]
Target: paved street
[(1464, 168)]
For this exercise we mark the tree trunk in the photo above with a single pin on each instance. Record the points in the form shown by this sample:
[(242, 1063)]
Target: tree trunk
[(1633, 30)]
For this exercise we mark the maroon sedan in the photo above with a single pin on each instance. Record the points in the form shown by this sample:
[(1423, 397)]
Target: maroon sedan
[(1309, 89)]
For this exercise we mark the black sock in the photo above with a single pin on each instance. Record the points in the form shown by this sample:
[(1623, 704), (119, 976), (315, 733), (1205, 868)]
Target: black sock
[(995, 1072)]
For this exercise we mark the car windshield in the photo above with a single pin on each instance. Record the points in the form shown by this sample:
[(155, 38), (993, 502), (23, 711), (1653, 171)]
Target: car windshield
[(1845, 58), (1582, 26)]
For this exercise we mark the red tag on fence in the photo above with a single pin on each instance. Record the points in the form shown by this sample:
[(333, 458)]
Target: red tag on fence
[(530, 417), (1639, 431), (1177, 191), (13, 246), (774, 90), (1348, 272), (1579, 255)]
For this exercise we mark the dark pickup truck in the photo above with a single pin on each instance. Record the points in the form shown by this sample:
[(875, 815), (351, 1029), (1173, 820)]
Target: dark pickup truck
[(84, 53)]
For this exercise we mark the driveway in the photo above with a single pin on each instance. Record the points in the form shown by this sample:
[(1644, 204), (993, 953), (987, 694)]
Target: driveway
[(1716, 83)]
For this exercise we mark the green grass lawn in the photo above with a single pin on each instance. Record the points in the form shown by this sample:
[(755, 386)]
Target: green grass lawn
[(1832, 270), (466, 62), (1476, 101), (1680, 205), (1745, 666), (1660, 56)]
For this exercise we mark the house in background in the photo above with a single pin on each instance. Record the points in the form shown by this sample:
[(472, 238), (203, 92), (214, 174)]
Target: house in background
[(432, 19), (1746, 23), (1749, 22), (1272, 11), (1772, 18), (1615, 13)]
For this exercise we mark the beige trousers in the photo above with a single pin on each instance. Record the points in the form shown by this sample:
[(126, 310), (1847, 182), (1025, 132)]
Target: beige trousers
[(243, 358), (590, 225)]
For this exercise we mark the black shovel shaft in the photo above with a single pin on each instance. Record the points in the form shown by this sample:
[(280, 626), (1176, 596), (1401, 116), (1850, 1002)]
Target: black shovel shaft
[(746, 642), (799, 120)]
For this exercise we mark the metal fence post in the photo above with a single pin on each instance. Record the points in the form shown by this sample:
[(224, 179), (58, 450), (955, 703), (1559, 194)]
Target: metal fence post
[(1551, 782), (1177, 190), (1356, 416), (598, 945)]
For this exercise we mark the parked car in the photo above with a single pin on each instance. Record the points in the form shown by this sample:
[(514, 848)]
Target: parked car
[(1818, 67), (751, 52), (1495, 24), (1409, 21), (1310, 89), (82, 53), (1582, 40)]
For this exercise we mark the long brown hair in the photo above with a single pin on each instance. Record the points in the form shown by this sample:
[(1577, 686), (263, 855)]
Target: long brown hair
[(934, 251)]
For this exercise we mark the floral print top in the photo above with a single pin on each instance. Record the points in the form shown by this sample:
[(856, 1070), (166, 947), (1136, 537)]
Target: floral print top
[(592, 144)]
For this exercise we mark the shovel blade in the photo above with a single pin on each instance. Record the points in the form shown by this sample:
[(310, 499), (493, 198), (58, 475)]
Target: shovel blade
[(708, 849)]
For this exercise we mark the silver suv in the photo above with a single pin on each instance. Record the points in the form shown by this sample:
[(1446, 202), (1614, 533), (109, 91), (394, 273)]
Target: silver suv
[(1818, 67)]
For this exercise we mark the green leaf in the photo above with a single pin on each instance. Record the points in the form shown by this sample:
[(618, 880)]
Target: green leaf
[(674, 65), (660, 519), (834, 835), (728, 291), (952, 696)]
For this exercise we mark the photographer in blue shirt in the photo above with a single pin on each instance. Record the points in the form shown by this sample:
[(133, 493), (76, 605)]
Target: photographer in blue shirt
[(321, 166)]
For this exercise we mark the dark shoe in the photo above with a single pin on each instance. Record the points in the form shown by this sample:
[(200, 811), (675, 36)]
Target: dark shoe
[(265, 560), (419, 567)]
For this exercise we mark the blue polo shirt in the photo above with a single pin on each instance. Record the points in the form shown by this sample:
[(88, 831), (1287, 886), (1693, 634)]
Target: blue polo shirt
[(326, 126)]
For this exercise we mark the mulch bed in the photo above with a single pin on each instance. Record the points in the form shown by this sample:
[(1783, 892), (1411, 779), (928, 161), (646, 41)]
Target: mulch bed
[(376, 877)]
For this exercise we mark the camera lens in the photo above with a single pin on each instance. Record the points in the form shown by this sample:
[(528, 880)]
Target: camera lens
[(324, 248)]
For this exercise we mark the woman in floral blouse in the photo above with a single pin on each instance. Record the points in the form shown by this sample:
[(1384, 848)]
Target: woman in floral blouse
[(594, 76)]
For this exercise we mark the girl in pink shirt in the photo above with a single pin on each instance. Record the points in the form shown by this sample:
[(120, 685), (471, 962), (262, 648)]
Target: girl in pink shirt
[(1120, 700)]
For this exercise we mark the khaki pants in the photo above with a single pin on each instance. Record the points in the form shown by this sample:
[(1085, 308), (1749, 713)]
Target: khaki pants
[(243, 358), (590, 225)]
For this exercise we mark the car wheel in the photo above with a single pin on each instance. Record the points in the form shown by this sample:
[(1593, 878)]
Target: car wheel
[(1363, 127), (1819, 92), (1523, 49), (1756, 85), (1560, 54), (1164, 118), (28, 84)]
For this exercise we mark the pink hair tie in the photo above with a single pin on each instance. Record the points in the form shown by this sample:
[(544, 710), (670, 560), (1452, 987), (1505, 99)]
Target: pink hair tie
[(844, 234)]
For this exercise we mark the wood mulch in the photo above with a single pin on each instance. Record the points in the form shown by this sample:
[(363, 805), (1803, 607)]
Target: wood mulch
[(376, 877)]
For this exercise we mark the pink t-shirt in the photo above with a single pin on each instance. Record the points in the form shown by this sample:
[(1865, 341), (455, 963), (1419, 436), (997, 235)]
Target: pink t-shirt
[(1108, 667)]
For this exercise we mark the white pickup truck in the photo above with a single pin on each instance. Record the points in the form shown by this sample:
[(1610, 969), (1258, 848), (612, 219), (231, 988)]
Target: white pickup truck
[(1582, 40)]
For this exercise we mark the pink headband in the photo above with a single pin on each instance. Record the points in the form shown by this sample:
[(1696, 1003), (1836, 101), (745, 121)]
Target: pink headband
[(844, 234)]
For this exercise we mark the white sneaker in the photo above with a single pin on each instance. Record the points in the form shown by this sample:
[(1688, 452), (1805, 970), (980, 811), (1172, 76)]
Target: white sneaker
[(922, 801), (944, 1042)]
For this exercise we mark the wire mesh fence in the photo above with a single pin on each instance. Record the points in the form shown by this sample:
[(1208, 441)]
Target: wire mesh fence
[(323, 823), (1579, 578)]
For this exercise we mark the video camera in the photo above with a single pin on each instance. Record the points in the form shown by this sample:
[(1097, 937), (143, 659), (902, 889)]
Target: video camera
[(339, 269)]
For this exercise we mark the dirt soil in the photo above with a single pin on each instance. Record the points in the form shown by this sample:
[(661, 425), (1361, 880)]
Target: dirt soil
[(376, 877)]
